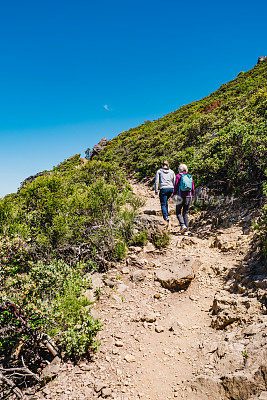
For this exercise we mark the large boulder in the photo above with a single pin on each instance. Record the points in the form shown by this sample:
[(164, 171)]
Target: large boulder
[(222, 244), (240, 385), (228, 308), (151, 223), (51, 370), (207, 387), (177, 275)]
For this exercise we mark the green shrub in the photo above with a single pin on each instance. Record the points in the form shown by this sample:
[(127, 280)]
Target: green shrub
[(51, 300), (222, 137), (160, 239), (72, 325), (261, 225), (119, 252), (15, 255), (140, 239), (76, 212)]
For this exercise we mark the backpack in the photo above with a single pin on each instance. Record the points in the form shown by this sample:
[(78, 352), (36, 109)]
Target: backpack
[(185, 183)]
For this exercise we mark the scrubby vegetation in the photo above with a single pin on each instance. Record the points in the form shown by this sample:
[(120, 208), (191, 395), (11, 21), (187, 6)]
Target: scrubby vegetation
[(222, 138), (261, 224), (73, 213), (50, 299), (64, 223), (54, 231)]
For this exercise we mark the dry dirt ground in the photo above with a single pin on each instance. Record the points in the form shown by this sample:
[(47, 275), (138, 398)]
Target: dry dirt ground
[(152, 339)]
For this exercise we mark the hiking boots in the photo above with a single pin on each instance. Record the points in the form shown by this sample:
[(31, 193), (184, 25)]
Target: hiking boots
[(183, 229)]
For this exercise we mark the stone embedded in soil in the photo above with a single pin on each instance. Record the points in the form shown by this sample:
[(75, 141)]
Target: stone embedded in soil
[(149, 248), (135, 249), (138, 276), (159, 329), (119, 343), (99, 386), (122, 288), (110, 283), (229, 308), (85, 367), (176, 327), (223, 245), (149, 317), (88, 392), (106, 392), (175, 277), (129, 358), (151, 223)]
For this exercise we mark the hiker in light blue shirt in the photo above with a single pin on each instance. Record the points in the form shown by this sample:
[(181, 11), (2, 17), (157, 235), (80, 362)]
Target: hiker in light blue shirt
[(165, 180)]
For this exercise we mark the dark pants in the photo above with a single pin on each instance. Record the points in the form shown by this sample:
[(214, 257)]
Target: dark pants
[(183, 217), (164, 196)]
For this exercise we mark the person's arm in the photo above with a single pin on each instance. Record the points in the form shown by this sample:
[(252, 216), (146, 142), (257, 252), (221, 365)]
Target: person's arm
[(173, 178), (176, 184), (157, 182)]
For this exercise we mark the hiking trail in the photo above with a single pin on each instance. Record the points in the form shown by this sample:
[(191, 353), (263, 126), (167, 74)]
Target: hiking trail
[(152, 338)]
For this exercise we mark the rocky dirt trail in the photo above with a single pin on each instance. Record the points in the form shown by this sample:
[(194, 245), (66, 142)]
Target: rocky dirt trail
[(158, 343)]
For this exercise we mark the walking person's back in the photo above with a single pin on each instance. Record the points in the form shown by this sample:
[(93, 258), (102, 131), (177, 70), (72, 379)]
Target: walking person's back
[(164, 182), (184, 187)]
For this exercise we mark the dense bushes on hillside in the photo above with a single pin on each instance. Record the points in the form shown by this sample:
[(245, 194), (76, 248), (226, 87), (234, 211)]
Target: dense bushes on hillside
[(73, 213), (53, 231), (50, 299), (63, 223), (222, 137)]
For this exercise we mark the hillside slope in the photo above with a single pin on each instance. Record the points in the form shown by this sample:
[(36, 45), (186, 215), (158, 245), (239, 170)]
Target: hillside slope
[(221, 137), (65, 227), (205, 342)]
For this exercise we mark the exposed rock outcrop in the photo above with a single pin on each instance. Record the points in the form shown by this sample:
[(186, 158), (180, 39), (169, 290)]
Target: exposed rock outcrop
[(229, 308), (32, 178), (98, 147), (237, 386), (260, 59)]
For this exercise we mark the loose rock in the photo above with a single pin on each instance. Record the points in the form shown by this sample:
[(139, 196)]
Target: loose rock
[(138, 276), (149, 317)]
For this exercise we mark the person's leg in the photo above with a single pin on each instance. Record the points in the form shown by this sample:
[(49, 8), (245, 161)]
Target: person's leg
[(163, 202), (179, 214), (186, 205), (168, 194)]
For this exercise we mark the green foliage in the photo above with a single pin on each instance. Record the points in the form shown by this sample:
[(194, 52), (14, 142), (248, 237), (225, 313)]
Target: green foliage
[(160, 239), (222, 138), (119, 252), (51, 299), (14, 254), (140, 239), (80, 212), (261, 225), (74, 212)]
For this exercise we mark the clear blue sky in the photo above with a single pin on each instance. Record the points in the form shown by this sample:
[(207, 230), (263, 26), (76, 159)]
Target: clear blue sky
[(75, 71)]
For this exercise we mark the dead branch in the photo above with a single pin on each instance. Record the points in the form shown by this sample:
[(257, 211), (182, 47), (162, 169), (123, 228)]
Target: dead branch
[(24, 371), (81, 252), (12, 386), (44, 339)]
